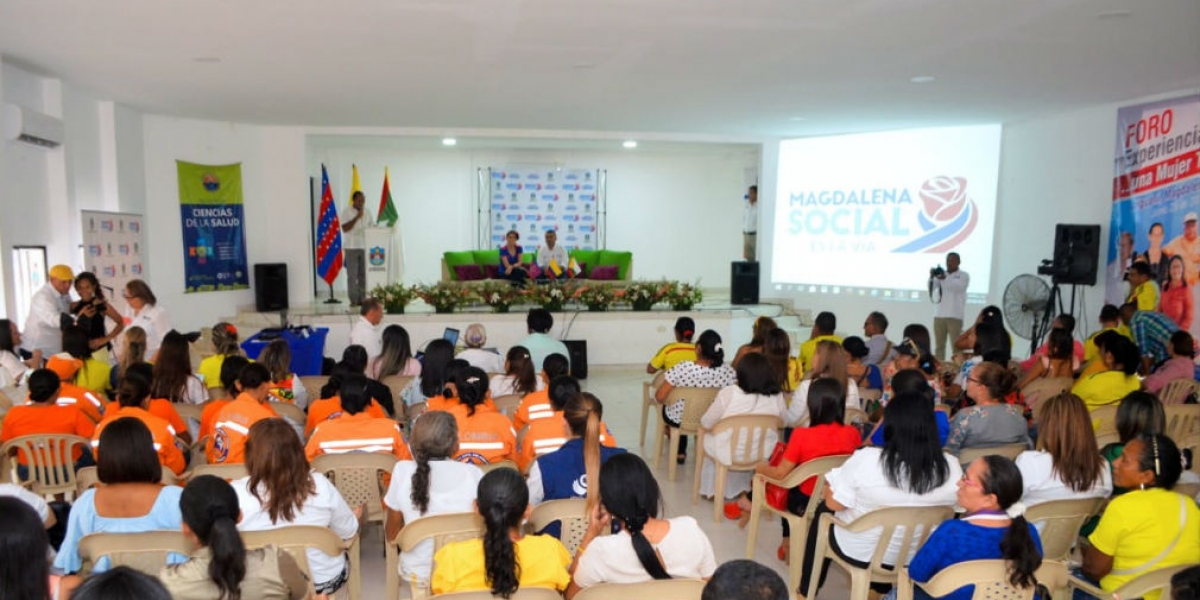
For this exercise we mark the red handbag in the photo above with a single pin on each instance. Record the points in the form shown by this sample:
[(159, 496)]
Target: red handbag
[(777, 496)]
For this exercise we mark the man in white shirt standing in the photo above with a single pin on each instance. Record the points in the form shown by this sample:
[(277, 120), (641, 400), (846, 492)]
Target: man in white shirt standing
[(948, 320), (366, 331), (354, 241), (43, 327), (750, 225), (551, 251)]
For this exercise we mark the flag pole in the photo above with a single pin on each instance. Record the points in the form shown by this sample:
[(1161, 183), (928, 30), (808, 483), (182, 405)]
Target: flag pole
[(331, 299)]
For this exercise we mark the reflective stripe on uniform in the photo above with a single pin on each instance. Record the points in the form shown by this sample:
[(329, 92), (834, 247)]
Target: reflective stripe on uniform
[(234, 426), (386, 442), (481, 446)]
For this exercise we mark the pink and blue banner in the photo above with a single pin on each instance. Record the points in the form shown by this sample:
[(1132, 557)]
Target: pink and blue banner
[(1156, 203), (534, 200)]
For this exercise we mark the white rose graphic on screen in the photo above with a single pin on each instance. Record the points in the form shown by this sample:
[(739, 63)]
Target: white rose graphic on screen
[(944, 197)]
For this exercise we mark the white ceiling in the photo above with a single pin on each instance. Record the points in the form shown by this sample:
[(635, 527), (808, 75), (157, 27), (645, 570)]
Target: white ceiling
[(719, 67)]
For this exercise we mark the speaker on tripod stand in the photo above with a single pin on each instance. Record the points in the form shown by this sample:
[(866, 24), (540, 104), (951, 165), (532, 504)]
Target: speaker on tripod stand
[(1076, 254)]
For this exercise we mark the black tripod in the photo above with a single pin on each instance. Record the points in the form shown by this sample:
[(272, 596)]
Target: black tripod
[(1053, 308)]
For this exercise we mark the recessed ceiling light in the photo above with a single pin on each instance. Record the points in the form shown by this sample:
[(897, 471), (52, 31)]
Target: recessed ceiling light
[(922, 79), (206, 59), (630, 144), (449, 141)]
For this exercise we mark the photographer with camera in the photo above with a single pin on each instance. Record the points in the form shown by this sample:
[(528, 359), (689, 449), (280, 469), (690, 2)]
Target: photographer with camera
[(90, 313), (948, 289)]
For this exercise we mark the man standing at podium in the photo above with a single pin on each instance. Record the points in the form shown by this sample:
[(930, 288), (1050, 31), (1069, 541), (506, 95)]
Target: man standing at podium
[(354, 228)]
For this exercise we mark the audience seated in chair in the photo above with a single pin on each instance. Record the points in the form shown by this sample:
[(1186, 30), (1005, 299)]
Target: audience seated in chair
[(827, 361), (157, 406), (234, 420), (778, 351), (429, 484), (397, 356), (1064, 464), (173, 377), (1179, 366), (485, 435), (993, 527), (282, 490), (286, 386), (1058, 361), (865, 375), (330, 405), (757, 392), (647, 546), (707, 371), (224, 338), (42, 415), (24, 536), (132, 498), (826, 435), (536, 405), (550, 429), (1149, 527), (505, 559), (1119, 377), (439, 354), (123, 583), (1065, 323), (231, 369), (745, 580), (133, 397), (683, 348), (758, 338), (223, 568), (913, 380), (519, 377), (487, 359), (356, 430), (824, 328), (991, 422), (909, 470), (567, 471)]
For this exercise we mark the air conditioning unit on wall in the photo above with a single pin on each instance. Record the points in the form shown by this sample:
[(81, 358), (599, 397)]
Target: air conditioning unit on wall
[(31, 127)]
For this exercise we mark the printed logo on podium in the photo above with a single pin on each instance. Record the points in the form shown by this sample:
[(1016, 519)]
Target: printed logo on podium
[(377, 256)]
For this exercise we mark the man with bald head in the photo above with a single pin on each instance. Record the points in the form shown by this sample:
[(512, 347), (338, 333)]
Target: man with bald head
[(43, 327)]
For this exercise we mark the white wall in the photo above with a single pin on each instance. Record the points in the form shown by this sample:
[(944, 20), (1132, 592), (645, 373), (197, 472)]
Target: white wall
[(1053, 169), (276, 213), (677, 210)]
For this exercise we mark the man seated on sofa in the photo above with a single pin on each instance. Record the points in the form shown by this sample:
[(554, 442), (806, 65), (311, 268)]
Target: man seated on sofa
[(551, 252)]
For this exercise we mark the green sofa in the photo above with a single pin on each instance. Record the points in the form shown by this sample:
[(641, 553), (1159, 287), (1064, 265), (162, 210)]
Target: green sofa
[(588, 259)]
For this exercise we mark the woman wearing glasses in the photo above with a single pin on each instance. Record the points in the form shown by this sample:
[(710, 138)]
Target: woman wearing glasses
[(145, 313), (1148, 528), (991, 422)]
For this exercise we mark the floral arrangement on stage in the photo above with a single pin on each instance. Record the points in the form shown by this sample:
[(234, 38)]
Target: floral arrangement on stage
[(684, 296), (498, 295), (549, 296), (642, 295), (444, 297), (394, 297), (597, 297)]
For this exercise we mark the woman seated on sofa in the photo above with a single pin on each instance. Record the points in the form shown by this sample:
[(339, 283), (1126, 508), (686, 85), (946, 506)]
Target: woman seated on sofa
[(510, 260)]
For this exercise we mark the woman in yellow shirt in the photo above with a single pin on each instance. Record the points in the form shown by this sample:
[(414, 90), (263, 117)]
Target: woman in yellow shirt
[(1150, 527), (505, 559), (225, 341), (1109, 386)]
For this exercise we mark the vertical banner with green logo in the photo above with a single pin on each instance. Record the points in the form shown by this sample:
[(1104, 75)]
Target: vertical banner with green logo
[(214, 237)]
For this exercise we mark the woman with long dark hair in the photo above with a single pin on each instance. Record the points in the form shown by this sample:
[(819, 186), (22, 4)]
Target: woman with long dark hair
[(909, 470), (828, 362), (91, 312), (285, 385), (281, 490), (994, 527), (758, 338), (505, 559), (223, 569), (567, 471), (396, 357), (12, 368), (173, 378), (93, 375), (990, 315), (778, 351), (23, 535), (646, 547), (708, 371), (1065, 464), (439, 354), (430, 484), (1058, 361), (520, 375), (1119, 377)]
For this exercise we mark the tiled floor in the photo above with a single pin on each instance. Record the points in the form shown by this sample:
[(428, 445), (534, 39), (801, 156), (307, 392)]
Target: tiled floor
[(620, 389)]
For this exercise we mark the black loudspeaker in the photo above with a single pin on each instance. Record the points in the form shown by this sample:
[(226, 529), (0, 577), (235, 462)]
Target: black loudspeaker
[(270, 287), (1076, 253), (578, 351), (743, 282)]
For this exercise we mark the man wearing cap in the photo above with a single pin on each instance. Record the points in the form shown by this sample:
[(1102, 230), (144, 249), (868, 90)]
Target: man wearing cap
[(1187, 246), (43, 327)]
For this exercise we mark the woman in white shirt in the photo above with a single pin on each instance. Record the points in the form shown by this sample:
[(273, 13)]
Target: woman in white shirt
[(828, 361), (282, 490), (433, 484), (647, 546), (475, 337), (1065, 465), (707, 371), (520, 375), (173, 377), (12, 369), (757, 393), (909, 470), (145, 313)]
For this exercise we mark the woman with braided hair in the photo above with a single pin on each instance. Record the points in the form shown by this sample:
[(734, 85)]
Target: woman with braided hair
[(432, 484), (647, 546), (505, 559)]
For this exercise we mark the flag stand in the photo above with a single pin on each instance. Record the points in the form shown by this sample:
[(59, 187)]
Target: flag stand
[(331, 299)]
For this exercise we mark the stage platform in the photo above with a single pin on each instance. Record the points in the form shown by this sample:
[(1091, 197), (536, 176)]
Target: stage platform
[(615, 337)]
